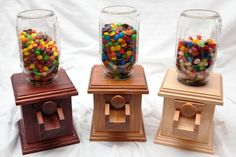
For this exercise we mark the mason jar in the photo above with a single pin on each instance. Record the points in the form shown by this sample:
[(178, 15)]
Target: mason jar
[(197, 44), (38, 37), (119, 27)]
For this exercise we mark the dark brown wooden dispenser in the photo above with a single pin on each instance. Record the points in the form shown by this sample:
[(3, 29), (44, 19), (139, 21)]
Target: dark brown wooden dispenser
[(46, 113)]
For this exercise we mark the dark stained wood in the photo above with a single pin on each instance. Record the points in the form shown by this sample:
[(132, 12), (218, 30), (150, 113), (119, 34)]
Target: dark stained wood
[(46, 113), (46, 144), (27, 94), (117, 112)]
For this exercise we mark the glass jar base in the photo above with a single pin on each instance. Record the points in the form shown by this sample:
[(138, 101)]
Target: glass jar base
[(192, 82), (40, 83), (118, 76)]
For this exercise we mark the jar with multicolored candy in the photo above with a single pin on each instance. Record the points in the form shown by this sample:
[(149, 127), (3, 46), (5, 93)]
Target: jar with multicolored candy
[(38, 38), (197, 42), (119, 40)]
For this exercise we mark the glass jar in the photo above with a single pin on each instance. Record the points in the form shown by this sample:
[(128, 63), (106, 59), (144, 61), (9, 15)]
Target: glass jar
[(197, 42), (119, 27), (38, 38)]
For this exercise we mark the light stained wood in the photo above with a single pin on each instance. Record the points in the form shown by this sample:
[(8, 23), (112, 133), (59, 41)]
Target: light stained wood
[(212, 93), (185, 144), (188, 112), (117, 112)]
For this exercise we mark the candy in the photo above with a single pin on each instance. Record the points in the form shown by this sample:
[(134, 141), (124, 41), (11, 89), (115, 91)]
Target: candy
[(195, 57), (118, 49), (40, 56)]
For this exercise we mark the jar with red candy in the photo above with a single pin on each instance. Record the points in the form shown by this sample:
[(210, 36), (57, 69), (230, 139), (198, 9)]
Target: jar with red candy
[(197, 45)]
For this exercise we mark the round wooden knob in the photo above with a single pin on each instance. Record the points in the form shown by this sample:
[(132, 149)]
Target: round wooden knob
[(188, 110), (49, 107), (118, 101)]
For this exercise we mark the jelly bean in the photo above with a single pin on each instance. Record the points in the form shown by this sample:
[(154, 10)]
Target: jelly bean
[(195, 57)]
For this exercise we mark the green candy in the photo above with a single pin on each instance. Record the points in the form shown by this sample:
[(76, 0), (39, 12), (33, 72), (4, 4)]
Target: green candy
[(116, 43), (45, 58), (35, 70), (119, 24), (186, 55), (37, 52), (110, 43), (133, 37), (201, 44)]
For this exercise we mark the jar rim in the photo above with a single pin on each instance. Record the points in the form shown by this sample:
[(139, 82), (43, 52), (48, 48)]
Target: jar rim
[(200, 14), (119, 10), (35, 14)]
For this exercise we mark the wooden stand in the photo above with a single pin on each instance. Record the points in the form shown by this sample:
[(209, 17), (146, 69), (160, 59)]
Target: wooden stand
[(117, 112), (46, 113), (187, 120)]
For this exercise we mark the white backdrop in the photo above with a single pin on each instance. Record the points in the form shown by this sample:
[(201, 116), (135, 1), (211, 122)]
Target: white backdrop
[(78, 20)]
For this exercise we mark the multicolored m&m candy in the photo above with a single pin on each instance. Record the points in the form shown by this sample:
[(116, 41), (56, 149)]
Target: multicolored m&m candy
[(119, 52), (195, 59), (40, 56)]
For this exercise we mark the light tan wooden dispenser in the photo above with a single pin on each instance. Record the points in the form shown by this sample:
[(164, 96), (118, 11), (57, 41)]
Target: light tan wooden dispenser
[(187, 119)]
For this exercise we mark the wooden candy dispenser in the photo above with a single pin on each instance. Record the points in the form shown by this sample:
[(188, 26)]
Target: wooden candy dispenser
[(117, 114), (46, 113), (187, 119)]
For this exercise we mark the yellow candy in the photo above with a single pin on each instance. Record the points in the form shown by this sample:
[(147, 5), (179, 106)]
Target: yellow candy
[(123, 45), (105, 33), (39, 57), (35, 45), (26, 53), (112, 48), (33, 35), (117, 48), (50, 43), (182, 49), (30, 47), (195, 41), (42, 43), (24, 50), (55, 54), (112, 33), (120, 40), (22, 37), (129, 53), (113, 58), (44, 74), (54, 49), (45, 68), (23, 33), (32, 66)]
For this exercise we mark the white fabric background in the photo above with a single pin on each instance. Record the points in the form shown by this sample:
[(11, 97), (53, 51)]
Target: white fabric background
[(78, 20)]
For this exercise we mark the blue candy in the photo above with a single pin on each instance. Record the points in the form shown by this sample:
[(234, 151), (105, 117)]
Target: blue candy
[(116, 37), (190, 59), (190, 44), (104, 57), (121, 34), (107, 38), (122, 62)]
